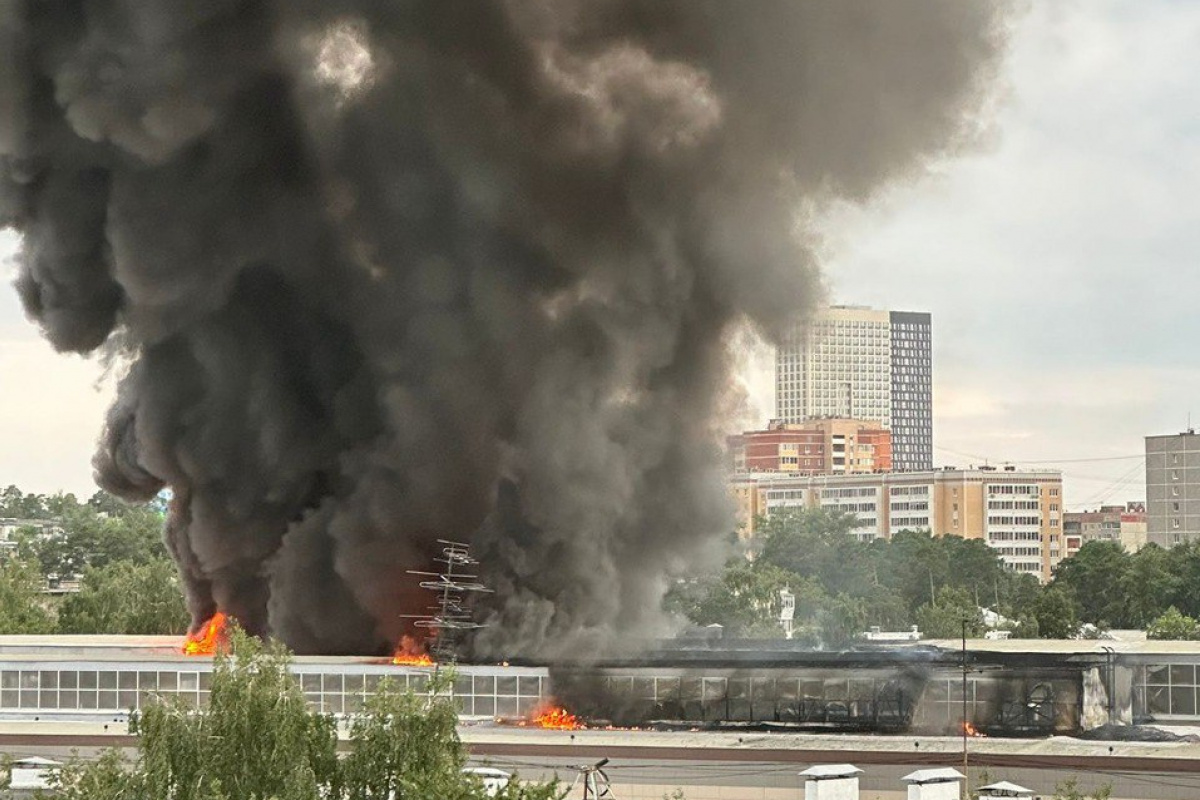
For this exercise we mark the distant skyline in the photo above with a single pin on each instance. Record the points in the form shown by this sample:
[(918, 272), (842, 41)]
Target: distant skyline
[(1056, 259)]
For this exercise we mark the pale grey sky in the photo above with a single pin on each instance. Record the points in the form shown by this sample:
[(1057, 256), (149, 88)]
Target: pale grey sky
[(1056, 260)]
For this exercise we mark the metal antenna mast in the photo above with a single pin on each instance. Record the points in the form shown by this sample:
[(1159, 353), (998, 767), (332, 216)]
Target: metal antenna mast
[(450, 616)]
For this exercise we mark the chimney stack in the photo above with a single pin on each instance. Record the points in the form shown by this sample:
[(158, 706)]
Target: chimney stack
[(934, 784), (1003, 790), (831, 782)]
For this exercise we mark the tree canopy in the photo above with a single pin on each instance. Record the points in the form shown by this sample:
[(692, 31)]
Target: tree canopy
[(256, 739)]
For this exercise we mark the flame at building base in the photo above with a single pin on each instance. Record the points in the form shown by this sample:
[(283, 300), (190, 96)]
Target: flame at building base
[(970, 730), (412, 653), (555, 717), (208, 638)]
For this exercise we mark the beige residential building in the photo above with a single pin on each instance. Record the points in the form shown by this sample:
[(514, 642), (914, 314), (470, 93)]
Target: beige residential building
[(1018, 513)]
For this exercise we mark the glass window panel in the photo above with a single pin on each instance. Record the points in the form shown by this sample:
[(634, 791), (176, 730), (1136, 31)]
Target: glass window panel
[(313, 699), (332, 704), (1157, 700), (127, 699), (29, 680), (1183, 701), (506, 685), (485, 706), (29, 698), (48, 698), (68, 679), (714, 688), (68, 698), (530, 687), (739, 688), (310, 683), (527, 705), (692, 688), (168, 681), (87, 699), (354, 703), (10, 679), (462, 685), (506, 707), (836, 689), (108, 699), (147, 680), (10, 698), (666, 688), (371, 684), (1156, 675), (127, 680), (331, 683), (417, 683), (205, 681), (87, 680), (353, 684), (202, 699), (643, 688), (484, 684), (1183, 675), (463, 705), (188, 681), (108, 680), (48, 679)]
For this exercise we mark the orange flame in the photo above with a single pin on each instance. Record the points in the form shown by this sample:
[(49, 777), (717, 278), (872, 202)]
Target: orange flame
[(971, 730), (209, 637), (557, 718), (411, 653)]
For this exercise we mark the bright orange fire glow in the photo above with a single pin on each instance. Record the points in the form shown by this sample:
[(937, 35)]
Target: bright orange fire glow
[(411, 653), (971, 730), (556, 718), (206, 640)]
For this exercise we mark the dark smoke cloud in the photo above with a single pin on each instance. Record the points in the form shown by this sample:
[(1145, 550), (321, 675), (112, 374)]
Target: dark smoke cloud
[(392, 270)]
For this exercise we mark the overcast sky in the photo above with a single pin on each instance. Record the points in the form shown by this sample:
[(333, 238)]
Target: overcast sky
[(1057, 261)]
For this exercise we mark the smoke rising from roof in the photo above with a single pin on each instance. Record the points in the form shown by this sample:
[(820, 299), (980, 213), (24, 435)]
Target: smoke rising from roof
[(392, 271)]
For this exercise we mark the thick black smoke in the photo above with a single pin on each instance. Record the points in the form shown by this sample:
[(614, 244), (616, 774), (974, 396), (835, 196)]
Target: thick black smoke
[(393, 270)]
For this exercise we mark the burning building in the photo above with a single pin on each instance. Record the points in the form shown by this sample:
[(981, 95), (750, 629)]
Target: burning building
[(377, 273)]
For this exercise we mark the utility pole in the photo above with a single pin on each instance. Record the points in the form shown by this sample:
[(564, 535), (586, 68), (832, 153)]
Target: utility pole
[(594, 780), (966, 773)]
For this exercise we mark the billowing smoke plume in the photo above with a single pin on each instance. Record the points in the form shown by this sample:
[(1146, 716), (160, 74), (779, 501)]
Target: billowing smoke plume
[(386, 271)]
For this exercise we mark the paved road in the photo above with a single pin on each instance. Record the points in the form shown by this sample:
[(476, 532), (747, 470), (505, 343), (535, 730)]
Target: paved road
[(646, 766)]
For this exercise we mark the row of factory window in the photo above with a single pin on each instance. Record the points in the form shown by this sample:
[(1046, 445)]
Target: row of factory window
[(1167, 690), (125, 690)]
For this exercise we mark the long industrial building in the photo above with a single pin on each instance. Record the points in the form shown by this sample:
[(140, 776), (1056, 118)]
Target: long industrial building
[(1014, 687)]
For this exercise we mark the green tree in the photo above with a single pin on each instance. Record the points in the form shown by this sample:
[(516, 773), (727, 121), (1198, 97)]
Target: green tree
[(1090, 576), (1056, 613), (23, 607), (1173, 624), (1147, 586), (126, 597), (944, 617), (257, 740)]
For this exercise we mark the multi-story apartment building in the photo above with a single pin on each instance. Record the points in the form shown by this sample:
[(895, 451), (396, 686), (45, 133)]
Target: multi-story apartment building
[(1125, 525), (1019, 514), (816, 447), (1173, 488), (863, 363)]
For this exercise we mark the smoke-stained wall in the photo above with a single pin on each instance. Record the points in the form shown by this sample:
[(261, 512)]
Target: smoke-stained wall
[(383, 272)]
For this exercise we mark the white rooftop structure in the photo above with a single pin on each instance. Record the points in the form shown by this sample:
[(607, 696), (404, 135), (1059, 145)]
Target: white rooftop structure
[(934, 784), (1002, 789), (831, 782)]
